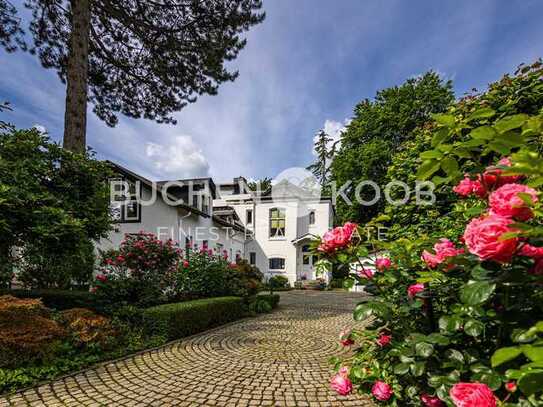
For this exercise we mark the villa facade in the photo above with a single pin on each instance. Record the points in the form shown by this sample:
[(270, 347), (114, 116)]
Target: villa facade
[(273, 231)]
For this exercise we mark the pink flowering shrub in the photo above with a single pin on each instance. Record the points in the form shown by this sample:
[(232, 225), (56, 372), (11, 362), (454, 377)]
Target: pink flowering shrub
[(139, 272), (459, 324)]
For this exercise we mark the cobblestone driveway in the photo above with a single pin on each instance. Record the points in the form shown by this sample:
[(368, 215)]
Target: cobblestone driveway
[(278, 359)]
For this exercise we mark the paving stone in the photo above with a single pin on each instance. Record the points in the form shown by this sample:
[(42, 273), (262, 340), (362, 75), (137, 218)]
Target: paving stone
[(278, 359)]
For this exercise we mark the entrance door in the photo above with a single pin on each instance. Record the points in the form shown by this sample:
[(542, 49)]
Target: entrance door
[(307, 264)]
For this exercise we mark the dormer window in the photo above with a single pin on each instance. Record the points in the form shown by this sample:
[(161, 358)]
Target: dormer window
[(277, 223), (312, 217), (249, 216), (125, 207)]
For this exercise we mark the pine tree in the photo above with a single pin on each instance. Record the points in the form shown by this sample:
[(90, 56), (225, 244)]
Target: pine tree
[(321, 167), (141, 58)]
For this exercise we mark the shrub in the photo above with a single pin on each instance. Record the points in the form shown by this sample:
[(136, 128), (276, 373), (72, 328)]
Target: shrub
[(60, 299), (278, 282), (336, 283), (204, 274), (260, 306), (187, 318), (26, 331), (140, 272), (272, 299), (50, 211), (87, 327), (250, 277), (461, 315)]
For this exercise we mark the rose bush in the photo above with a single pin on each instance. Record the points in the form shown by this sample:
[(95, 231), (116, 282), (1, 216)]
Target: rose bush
[(462, 321), (140, 272)]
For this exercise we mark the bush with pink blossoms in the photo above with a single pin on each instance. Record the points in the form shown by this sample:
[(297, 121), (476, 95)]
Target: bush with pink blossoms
[(140, 272), (460, 324)]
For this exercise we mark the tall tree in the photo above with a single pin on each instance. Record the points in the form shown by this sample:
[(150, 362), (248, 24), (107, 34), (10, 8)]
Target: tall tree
[(141, 58), (321, 167), (378, 128)]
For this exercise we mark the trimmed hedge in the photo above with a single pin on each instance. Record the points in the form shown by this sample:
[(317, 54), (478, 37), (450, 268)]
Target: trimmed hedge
[(178, 320), (60, 299), (272, 299)]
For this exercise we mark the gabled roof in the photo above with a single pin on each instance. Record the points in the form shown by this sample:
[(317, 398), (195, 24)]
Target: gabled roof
[(150, 184)]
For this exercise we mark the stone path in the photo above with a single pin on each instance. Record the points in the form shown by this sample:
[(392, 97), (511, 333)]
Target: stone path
[(279, 359)]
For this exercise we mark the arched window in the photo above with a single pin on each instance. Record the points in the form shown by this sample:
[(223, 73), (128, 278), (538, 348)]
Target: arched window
[(277, 263), (312, 217), (277, 222)]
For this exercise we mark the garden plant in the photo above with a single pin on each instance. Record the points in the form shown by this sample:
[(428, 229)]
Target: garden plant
[(456, 313)]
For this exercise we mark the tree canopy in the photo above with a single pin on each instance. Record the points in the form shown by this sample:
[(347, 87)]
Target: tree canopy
[(378, 128), (141, 58)]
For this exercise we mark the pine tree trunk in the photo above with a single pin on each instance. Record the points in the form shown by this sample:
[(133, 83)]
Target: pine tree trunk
[(75, 117)]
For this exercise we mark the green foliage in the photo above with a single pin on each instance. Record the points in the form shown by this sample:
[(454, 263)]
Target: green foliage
[(178, 320), (272, 299), (182, 52), (321, 167), (476, 319), (376, 132), (278, 282), (260, 306), (53, 203), (203, 275), (458, 142)]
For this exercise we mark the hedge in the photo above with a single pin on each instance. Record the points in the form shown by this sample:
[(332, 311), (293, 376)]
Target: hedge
[(59, 299), (182, 319), (272, 299)]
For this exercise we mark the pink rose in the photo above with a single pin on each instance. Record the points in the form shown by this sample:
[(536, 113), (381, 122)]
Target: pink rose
[(482, 236), (414, 289), (472, 395), (384, 340), (101, 277), (537, 269), (344, 371), (341, 384), (468, 187), (382, 263), (493, 177), (431, 401), (366, 273), (444, 249), (381, 391), (337, 238), (185, 263), (345, 338), (531, 251), (505, 201)]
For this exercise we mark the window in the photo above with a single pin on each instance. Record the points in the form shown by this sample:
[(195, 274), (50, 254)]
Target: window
[(249, 216), (126, 207), (312, 217), (195, 201), (277, 222), (205, 204), (277, 263), (188, 243), (252, 258), (305, 248)]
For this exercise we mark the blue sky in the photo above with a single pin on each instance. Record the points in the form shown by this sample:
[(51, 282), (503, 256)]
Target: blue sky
[(305, 67)]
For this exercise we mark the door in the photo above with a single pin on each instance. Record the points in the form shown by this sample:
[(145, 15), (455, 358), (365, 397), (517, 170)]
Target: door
[(307, 264)]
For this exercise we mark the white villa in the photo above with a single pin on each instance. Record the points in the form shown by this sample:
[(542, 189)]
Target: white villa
[(271, 230)]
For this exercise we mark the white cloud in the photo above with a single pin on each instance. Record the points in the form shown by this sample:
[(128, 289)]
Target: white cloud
[(333, 129), (181, 158)]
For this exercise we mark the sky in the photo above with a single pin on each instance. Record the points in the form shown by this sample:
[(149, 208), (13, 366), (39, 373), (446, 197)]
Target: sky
[(304, 68)]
